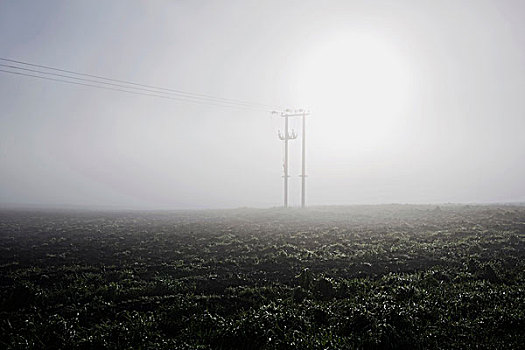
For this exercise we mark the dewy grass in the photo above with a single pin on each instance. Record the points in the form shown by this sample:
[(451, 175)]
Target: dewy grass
[(371, 277)]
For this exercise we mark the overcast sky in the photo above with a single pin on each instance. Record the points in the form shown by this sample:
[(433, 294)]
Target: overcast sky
[(411, 101)]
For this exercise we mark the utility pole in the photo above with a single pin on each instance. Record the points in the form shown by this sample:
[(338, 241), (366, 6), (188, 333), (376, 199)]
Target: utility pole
[(287, 136), (303, 166)]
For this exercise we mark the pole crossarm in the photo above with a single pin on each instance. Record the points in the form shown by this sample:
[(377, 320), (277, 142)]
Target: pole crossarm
[(292, 112)]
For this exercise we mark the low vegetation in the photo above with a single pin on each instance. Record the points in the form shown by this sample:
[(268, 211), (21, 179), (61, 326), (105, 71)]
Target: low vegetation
[(377, 277)]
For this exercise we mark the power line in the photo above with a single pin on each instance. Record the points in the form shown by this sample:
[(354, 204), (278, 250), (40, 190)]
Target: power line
[(170, 94), (136, 84), (124, 86), (210, 103), (174, 91)]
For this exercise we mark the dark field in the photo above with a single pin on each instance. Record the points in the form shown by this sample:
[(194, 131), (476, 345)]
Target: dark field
[(378, 277)]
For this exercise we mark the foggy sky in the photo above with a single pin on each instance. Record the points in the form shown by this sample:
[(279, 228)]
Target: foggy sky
[(411, 101)]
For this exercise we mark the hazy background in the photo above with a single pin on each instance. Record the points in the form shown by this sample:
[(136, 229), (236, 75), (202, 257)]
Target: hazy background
[(412, 102)]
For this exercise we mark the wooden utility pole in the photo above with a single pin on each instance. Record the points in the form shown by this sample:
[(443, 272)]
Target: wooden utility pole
[(287, 136), (303, 165)]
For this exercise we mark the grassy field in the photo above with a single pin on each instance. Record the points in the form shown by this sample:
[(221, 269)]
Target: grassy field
[(364, 277)]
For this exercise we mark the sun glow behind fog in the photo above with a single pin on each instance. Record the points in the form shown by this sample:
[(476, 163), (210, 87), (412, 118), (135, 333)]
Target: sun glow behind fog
[(357, 87)]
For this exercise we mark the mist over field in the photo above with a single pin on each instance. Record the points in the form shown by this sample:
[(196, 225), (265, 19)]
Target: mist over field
[(411, 102), (262, 174)]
